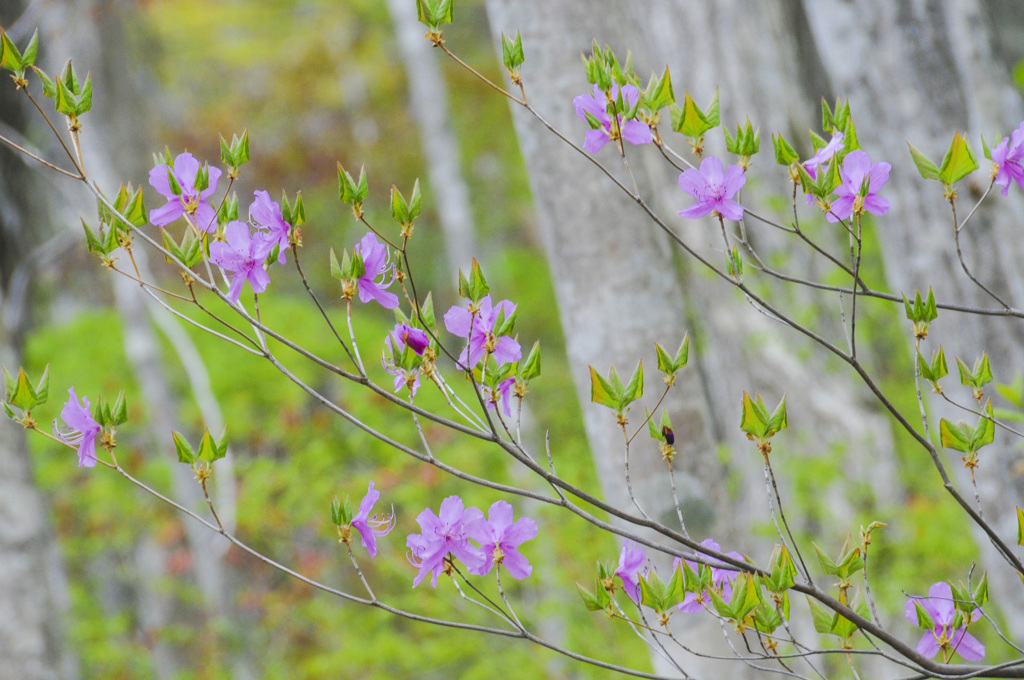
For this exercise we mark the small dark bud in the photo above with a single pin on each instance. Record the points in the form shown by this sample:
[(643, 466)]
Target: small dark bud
[(668, 434)]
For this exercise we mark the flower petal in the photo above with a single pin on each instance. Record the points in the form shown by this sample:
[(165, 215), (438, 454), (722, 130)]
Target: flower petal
[(636, 132), (164, 215), (968, 646)]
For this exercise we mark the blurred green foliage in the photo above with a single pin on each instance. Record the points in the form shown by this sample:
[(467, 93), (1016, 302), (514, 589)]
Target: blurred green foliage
[(315, 83)]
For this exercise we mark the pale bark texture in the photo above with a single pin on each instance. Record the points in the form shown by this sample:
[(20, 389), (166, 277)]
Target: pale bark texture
[(918, 71), (34, 597), (621, 287)]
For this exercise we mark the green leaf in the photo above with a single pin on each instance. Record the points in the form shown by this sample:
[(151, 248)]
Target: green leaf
[(754, 420), (49, 87), (1020, 526), (958, 162), (767, 618), (778, 420), (427, 313), (512, 52), (985, 432), (185, 452), (635, 388), (955, 436), (85, 100), (827, 565), (785, 154), (66, 102), (653, 591), (335, 267), (530, 368), (821, 617), (399, 208), (10, 57), (415, 200), (589, 600), (981, 591), (211, 450), (924, 619), (119, 411), (694, 122), (478, 287), (659, 92), (603, 392), (23, 395), (925, 166)]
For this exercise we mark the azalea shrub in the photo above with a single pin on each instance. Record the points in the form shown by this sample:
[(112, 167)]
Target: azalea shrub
[(476, 361)]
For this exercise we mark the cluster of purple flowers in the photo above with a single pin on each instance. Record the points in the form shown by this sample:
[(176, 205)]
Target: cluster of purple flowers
[(633, 131), (405, 367), (246, 246), (633, 563), (476, 324), (446, 536)]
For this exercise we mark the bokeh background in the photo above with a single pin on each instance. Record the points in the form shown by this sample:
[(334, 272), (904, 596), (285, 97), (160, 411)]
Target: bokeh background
[(131, 589)]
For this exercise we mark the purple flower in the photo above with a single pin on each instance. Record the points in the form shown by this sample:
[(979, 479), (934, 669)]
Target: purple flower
[(443, 535), (633, 131), (405, 335), (378, 266), (401, 336), (721, 579), (243, 254), (501, 394), (823, 157), (190, 203), (1008, 154), (940, 607), (500, 539), (404, 377), (371, 527), (84, 429), (479, 328), (266, 214), (631, 561), (852, 196), (713, 189)]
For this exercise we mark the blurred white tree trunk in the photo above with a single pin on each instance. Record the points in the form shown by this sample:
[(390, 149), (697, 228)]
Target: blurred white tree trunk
[(34, 598), (620, 286)]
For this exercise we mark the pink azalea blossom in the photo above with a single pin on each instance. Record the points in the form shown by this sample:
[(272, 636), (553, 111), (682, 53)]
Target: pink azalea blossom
[(822, 157), (501, 394), (500, 538), (83, 428), (243, 254), (633, 131), (713, 189), (479, 329), (370, 528), (194, 205), (372, 285), (940, 607), (631, 562), (1008, 154), (721, 579), (405, 335), (851, 193), (442, 535), (266, 214)]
